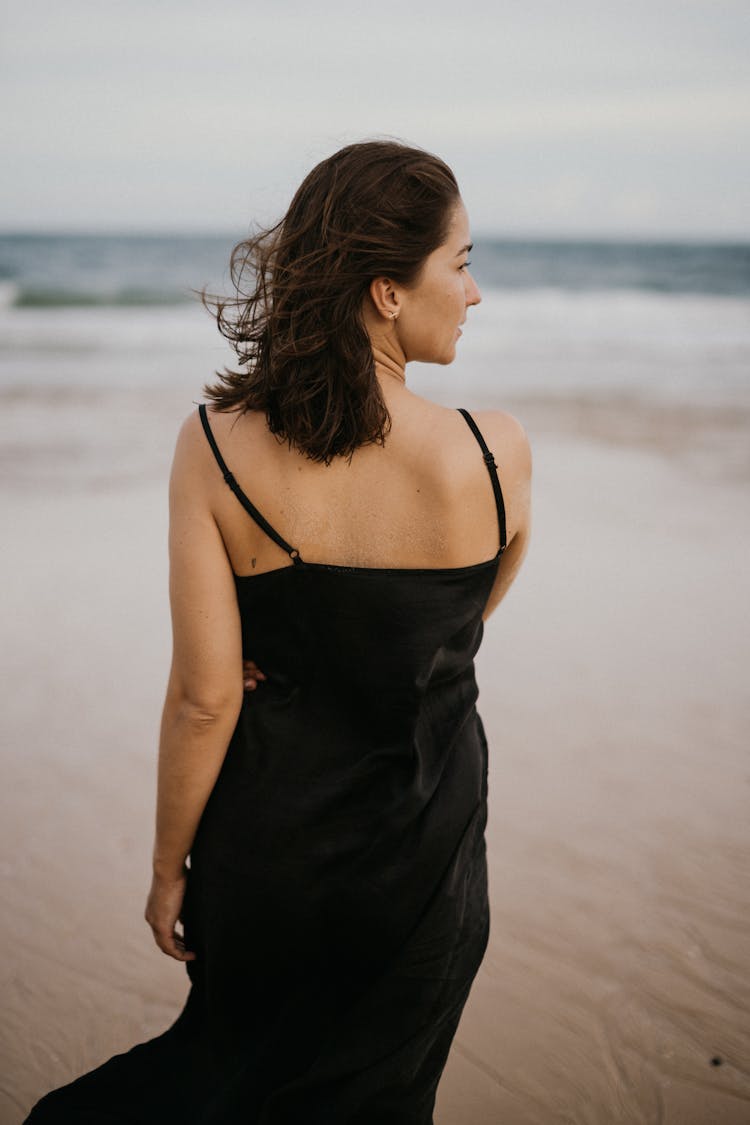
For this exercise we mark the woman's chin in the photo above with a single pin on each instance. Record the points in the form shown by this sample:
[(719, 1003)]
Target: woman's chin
[(446, 354), (442, 359)]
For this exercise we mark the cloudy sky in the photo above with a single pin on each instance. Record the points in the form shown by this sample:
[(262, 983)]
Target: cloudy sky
[(565, 117)]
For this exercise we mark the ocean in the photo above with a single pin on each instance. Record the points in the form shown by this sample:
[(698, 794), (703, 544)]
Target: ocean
[(657, 320)]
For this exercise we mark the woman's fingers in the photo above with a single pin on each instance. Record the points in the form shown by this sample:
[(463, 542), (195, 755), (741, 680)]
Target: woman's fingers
[(251, 675), (162, 913), (172, 943)]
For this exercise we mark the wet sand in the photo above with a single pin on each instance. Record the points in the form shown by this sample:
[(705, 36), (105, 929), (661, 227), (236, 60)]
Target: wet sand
[(614, 689)]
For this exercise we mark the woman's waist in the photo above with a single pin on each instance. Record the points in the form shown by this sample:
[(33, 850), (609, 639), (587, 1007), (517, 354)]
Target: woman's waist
[(273, 796)]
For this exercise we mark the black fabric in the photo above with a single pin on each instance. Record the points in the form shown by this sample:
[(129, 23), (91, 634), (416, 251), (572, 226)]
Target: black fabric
[(337, 896), (489, 460)]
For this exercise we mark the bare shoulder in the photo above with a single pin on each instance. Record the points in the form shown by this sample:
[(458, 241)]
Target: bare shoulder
[(190, 436), (507, 439), (192, 452), (504, 434), (190, 430)]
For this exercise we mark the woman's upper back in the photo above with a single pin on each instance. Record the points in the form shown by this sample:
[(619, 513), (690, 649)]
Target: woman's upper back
[(418, 516), (423, 500), (368, 619)]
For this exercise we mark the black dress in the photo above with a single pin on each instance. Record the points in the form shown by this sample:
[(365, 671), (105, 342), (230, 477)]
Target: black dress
[(337, 895)]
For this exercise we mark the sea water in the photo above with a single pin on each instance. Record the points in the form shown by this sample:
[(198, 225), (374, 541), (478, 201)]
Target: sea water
[(670, 320)]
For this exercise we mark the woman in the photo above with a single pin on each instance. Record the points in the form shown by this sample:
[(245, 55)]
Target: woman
[(346, 537)]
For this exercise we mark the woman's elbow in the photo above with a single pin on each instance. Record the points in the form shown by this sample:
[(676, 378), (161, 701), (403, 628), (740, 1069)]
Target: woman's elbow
[(208, 710)]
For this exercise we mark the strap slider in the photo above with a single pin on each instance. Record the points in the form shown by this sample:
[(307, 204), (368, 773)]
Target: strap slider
[(489, 459), (229, 478)]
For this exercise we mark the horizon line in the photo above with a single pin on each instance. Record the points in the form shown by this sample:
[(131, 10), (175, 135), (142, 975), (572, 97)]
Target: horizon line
[(555, 236)]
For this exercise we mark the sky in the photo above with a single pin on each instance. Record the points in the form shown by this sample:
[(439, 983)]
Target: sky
[(569, 118)]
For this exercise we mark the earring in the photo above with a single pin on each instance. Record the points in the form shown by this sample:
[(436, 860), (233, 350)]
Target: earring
[(393, 316)]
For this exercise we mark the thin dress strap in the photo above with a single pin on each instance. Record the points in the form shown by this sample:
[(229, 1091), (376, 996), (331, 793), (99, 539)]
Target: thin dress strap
[(249, 507), (489, 461)]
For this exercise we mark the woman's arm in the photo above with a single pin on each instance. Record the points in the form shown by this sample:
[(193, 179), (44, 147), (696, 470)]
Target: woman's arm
[(204, 695)]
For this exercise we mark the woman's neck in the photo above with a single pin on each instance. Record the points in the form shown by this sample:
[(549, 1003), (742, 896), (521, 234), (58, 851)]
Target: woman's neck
[(390, 364)]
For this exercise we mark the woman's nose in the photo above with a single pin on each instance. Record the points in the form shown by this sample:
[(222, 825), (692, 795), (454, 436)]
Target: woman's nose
[(473, 296)]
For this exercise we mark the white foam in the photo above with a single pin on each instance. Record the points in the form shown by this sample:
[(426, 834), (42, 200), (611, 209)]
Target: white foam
[(516, 342), (8, 294)]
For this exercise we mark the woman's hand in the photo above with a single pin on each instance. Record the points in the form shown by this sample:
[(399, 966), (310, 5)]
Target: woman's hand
[(251, 675), (164, 911)]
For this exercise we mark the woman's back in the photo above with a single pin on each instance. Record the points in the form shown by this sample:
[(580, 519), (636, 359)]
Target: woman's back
[(382, 573), (352, 798), (422, 500)]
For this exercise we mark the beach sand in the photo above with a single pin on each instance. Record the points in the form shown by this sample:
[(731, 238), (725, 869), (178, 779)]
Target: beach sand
[(614, 690)]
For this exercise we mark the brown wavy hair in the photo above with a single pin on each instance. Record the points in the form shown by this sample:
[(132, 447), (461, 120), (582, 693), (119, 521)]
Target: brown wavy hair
[(374, 209)]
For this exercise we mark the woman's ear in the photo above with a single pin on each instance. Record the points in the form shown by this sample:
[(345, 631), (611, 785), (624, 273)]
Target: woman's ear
[(385, 297)]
